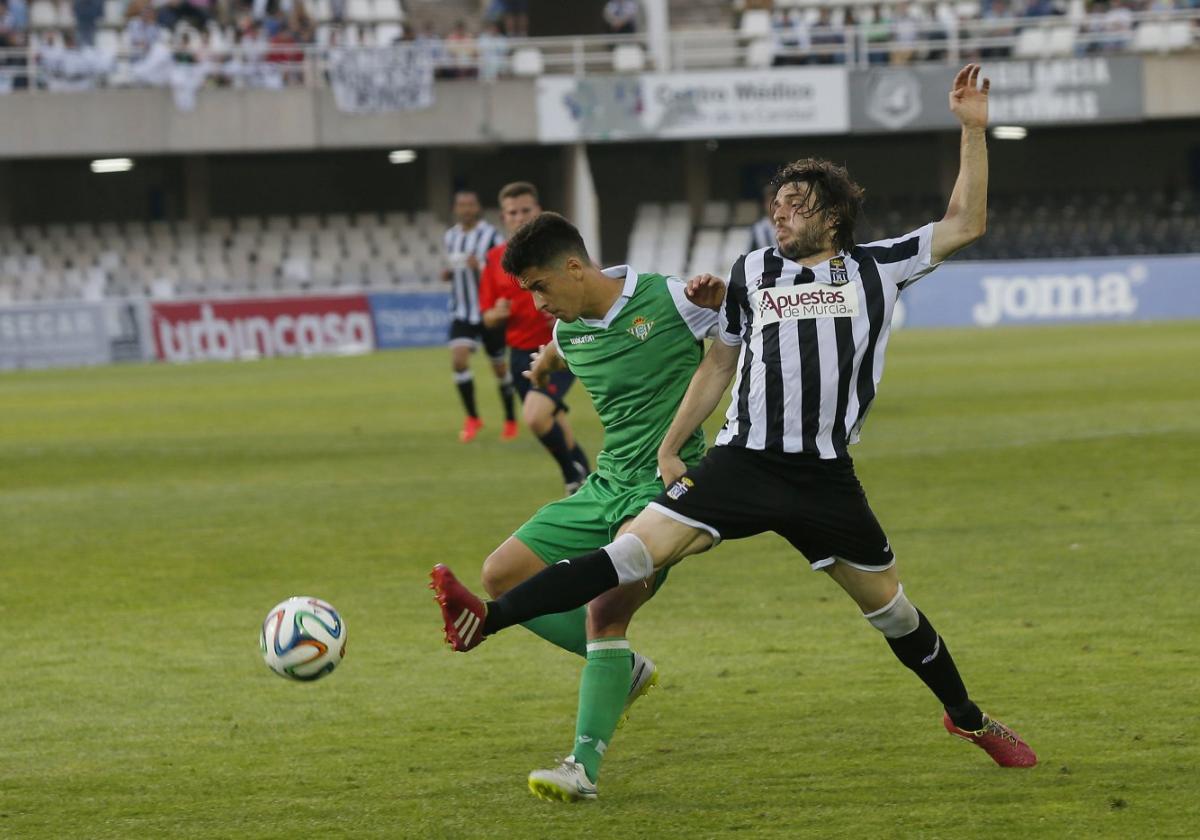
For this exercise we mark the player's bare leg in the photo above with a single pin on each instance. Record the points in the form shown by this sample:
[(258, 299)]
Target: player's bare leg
[(460, 361), (917, 645)]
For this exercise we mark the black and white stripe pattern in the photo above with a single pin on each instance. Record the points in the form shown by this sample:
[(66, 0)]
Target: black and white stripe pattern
[(458, 243), (805, 384), (762, 234), (467, 625)]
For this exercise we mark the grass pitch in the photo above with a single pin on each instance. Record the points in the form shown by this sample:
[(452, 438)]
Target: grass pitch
[(1040, 487)]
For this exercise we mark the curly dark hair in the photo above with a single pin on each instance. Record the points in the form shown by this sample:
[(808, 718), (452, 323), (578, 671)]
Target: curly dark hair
[(833, 191), (541, 242)]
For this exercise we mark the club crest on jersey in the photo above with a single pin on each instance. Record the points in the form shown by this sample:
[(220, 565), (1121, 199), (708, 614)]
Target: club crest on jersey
[(640, 328), (679, 488), (838, 275), (800, 303)]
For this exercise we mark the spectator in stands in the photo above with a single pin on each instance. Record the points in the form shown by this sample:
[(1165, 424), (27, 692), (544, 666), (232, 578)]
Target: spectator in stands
[(493, 51), (762, 232), (87, 12), (435, 49), (142, 31), (460, 49), (1117, 26), (516, 18), (337, 11), (620, 16), (829, 37), (879, 33), (793, 42), (14, 29)]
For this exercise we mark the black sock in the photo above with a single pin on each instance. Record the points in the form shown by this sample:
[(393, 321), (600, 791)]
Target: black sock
[(506, 398), (556, 444), (924, 652), (580, 457), (560, 587), (466, 390)]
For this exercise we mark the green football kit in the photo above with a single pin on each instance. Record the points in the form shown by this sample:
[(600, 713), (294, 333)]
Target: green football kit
[(636, 364)]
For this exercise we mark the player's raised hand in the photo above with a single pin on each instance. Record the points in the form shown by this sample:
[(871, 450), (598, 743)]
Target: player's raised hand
[(706, 290), (969, 98)]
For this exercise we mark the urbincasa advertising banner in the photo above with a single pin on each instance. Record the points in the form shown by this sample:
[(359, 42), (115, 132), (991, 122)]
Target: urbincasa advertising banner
[(214, 330)]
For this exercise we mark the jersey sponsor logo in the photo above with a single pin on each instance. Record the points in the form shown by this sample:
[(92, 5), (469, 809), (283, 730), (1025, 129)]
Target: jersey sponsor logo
[(798, 304), (640, 328), (838, 275), (679, 488), (583, 339)]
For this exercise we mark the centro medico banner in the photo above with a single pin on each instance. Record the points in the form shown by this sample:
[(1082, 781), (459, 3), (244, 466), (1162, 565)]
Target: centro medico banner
[(250, 329), (738, 103)]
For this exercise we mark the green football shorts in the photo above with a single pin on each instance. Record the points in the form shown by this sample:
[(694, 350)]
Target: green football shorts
[(587, 520)]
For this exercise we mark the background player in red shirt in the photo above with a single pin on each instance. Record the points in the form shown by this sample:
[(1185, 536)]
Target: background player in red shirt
[(502, 301)]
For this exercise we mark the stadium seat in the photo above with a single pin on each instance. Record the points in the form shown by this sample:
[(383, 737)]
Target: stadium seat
[(43, 15), (528, 61), (114, 13), (321, 10), (755, 23), (628, 58), (1060, 40), (1179, 35), (386, 34), (1150, 36), (389, 10), (360, 10), (760, 53), (1031, 42)]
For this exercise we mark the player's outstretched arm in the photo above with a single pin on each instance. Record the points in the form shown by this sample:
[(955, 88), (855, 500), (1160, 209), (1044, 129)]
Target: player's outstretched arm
[(966, 215), (705, 391)]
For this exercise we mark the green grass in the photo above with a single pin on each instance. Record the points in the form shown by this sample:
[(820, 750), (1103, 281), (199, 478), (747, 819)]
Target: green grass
[(1040, 487)]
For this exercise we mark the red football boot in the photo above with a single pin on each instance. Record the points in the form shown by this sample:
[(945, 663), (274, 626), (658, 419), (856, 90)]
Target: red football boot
[(509, 432), (470, 429), (1004, 746), (462, 612)]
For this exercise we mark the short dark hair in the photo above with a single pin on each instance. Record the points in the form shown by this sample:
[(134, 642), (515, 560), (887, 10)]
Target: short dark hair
[(542, 241), (833, 192), (517, 189)]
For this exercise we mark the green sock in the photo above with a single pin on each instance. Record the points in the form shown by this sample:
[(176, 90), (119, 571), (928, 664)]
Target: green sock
[(603, 688), (567, 630)]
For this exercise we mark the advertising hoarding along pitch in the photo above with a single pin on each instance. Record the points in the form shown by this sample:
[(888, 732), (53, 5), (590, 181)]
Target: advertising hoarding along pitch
[(739, 103), (987, 294), (250, 329)]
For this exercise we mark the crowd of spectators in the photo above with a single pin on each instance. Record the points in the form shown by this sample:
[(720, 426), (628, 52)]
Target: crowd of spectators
[(902, 32)]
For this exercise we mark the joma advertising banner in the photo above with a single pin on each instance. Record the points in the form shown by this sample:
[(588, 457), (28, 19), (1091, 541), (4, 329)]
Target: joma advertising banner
[(1047, 91), (251, 329), (987, 294)]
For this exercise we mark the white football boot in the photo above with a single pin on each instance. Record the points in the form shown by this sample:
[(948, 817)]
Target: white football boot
[(644, 678), (568, 782)]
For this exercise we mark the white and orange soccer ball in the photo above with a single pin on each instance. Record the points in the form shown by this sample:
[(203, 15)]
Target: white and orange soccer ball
[(303, 638)]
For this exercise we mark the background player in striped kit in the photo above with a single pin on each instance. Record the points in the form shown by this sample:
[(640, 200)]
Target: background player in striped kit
[(634, 340), (466, 245), (805, 328), (762, 232), (505, 305)]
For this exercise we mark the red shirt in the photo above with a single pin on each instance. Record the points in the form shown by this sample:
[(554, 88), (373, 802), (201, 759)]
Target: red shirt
[(528, 329)]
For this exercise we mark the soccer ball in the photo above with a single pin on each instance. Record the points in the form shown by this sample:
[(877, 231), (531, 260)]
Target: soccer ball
[(303, 638)]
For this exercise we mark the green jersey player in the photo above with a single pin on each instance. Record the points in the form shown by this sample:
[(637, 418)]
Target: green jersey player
[(634, 340)]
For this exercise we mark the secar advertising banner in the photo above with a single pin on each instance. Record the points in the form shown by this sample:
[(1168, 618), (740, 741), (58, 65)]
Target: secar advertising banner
[(1048, 91), (420, 319), (53, 335), (987, 294), (254, 328), (684, 105)]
